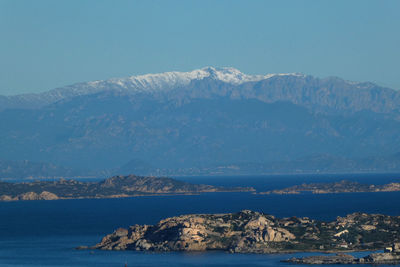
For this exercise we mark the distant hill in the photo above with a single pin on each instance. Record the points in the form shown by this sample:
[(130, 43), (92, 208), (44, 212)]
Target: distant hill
[(114, 187), (343, 186), (204, 122)]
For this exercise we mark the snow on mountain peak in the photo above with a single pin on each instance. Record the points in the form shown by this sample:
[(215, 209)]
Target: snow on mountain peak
[(234, 76), (149, 83), (169, 80)]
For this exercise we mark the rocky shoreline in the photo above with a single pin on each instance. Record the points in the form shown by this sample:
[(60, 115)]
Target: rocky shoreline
[(254, 232), (392, 258), (343, 186)]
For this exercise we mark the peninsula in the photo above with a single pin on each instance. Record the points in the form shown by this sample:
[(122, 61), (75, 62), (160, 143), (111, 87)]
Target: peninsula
[(253, 232), (343, 186), (114, 187)]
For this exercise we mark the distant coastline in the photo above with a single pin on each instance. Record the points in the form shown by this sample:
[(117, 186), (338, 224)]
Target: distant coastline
[(343, 186), (114, 187)]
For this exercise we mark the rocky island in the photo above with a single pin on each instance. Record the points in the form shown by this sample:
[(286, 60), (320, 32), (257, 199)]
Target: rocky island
[(388, 257), (114, 187), (343, 186), (254, 232)]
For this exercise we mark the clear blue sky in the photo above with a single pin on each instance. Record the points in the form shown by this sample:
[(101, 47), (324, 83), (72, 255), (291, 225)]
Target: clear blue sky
[(48, 44)]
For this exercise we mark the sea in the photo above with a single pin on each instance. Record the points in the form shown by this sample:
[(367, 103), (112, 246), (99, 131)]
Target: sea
[(45, 233)]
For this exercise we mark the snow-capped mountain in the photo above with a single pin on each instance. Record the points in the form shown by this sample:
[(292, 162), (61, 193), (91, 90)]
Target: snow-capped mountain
[(148, 83), (169, 80), (330, 93), (206, 119)]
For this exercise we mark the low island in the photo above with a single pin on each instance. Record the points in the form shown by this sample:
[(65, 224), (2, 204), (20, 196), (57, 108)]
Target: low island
[(114, 187), (253, 232), (343, 186), (391, 257)]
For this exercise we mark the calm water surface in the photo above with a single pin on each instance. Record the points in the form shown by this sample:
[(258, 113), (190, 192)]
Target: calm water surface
[(44, 233)]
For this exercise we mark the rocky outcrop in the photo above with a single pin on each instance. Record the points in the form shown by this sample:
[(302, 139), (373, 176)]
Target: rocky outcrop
[(30, 196), (6, 198), (254, 232), (47, 196), (382, 258), (373, 258), (333, 259), (246, 231)]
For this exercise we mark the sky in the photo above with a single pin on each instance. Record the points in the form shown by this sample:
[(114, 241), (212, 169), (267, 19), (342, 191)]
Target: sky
[(45, 44)]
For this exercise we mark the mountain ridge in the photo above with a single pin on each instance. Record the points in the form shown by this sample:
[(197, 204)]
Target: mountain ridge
[(146, 83), (203, 124), (165, 82)]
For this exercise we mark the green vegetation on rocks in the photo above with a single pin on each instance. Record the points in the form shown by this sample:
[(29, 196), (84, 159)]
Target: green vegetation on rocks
[(254, 232)]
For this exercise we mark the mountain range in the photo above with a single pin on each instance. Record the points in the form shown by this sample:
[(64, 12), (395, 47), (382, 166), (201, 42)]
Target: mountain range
[(207, 121)]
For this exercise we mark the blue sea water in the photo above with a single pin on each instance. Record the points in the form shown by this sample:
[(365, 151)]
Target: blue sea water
[(44, 233)]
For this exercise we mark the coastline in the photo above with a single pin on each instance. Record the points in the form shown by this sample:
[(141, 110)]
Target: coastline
[(114, 187), (132, 196)]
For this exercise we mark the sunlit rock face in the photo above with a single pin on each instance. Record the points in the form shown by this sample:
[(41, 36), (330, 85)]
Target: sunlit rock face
[(254, 232)]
